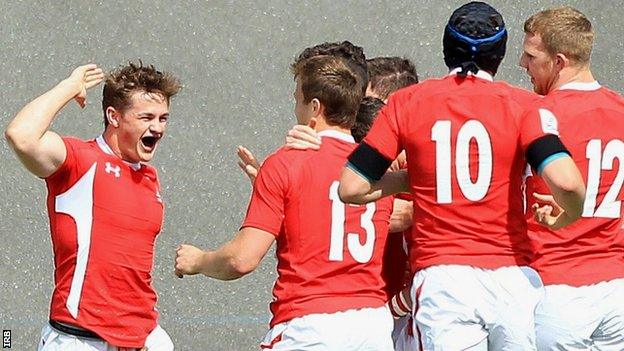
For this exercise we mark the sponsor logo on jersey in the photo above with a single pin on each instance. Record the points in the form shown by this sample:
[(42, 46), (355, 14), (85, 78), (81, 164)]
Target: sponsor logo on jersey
[(110, 169)]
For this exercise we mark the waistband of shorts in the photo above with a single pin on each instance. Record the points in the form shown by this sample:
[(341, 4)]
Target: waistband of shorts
[(72, 330)]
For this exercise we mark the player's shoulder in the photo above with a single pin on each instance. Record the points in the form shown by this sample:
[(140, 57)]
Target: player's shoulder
[(418, 91), (521, 96), (78, 143), (615, 97), (286, 158)]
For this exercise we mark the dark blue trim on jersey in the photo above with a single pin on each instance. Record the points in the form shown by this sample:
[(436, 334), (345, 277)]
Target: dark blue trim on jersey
[(355, 169), (476, 42), (549, 159)]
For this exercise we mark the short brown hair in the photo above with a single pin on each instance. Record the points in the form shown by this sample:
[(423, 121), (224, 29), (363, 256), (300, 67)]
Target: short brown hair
[(563, 30), (123, 82), (352, 54), (389, 74), (331, 80), (368, 111)]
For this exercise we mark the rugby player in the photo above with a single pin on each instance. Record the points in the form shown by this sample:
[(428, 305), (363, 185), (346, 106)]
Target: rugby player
[(582, 265), (329, 291), (104, 207)]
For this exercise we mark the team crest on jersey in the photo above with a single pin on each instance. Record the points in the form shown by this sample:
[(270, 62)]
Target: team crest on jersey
[(110, 169), (549, 121)]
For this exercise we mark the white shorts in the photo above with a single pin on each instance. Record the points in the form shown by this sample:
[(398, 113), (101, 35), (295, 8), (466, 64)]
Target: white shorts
[(54, 340), (366, 329), (466, 308), (402, 335), (589, 317)]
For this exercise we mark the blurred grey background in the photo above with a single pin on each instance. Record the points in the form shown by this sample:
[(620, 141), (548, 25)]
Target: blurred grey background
[(233, 59)]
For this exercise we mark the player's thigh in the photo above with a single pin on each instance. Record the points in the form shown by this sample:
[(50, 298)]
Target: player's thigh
[(564, 320), (53, 340), (374, 326), (446, 309), (510, 316), (609, 336), (159, 340)]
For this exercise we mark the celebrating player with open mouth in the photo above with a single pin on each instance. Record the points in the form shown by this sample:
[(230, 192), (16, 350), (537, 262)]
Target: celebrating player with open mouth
[(104, 206)]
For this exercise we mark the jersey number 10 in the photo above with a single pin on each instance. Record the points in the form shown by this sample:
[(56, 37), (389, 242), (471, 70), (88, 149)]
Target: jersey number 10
[(473, 191)]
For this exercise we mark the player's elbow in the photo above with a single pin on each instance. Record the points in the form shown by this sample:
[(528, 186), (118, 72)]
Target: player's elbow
[(16, 138), (10, 134), (241, 266), (349, 193)]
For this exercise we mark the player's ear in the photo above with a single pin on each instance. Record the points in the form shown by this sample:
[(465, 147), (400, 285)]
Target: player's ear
[(561, 62), (317, 107), (112, 115)]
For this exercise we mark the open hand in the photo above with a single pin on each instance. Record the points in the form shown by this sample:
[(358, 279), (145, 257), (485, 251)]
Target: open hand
[(86, 77), (248, 163)]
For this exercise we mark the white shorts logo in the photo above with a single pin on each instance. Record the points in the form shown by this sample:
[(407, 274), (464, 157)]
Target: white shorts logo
[(549, 121), (110, 169)]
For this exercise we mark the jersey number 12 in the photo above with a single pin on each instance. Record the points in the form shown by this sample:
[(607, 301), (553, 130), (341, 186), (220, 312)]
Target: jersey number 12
[(610, 206)]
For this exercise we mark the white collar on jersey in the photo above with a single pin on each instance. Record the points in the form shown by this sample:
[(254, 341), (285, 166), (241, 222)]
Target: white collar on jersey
[(336, 134), (481, 74), (107, 150), (584, 86)]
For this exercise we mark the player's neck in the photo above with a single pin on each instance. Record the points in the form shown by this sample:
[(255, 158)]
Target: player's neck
[(574, 75), (112, 141), (321, 125)]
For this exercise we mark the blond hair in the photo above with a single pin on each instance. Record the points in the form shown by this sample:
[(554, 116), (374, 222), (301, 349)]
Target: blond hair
[(563, 30)]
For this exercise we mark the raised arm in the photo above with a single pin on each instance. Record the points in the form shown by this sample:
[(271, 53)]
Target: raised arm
[(41, 151)]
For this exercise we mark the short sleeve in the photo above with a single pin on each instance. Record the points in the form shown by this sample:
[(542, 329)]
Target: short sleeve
[(384, 135), (536, 123), (70, 165), (266, 207)]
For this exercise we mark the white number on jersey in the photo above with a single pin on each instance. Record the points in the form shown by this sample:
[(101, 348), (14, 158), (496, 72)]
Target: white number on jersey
[(360, 253), (77, 202), (610, 206), (473, 129)]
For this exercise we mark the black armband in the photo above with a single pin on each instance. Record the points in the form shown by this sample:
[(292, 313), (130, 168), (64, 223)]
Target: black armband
[(543, 148), (368, 162)]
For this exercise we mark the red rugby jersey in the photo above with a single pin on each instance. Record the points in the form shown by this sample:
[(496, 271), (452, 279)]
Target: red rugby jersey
[(590, 250), (329, 254), (104, 215), (465, 141)]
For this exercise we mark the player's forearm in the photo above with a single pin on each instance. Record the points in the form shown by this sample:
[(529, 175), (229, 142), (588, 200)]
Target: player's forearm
[(567, 187), (223, 264), (30, 124), (355, 189), (572, 203)]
